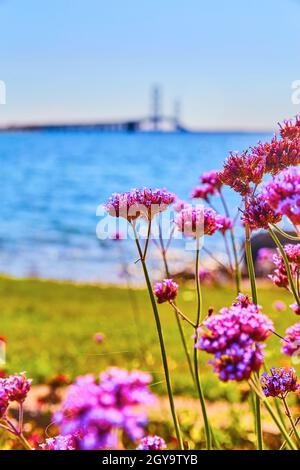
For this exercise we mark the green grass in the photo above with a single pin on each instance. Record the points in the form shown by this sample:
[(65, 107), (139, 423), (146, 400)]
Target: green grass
[(50, 326)]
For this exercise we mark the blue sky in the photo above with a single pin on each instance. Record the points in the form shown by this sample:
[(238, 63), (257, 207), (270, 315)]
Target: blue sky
[(230, 62)]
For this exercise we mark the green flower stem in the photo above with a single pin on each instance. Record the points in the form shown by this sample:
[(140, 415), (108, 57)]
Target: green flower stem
[(9, 426), (289, 415), (208, 435), (161, 341), (251, 272), (181, 314), (283, 446), (256, 388), (279, 425), (286, 264), (163, 251), (286, 235), (234, 249)]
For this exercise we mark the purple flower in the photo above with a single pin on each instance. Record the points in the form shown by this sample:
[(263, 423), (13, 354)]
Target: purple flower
[(296, 308), (242, 301), (196, 221), (152, 443), (290, 129), (234, 337), (279, 154), (293, 253), (99, 337), (203, 191), (236, 324), (259, 214), (279, 276), (283, 194), (279, 306), (179, 205), (240, 171), (280, 382), (291, 341), (265, 255), (93, 410), (225, 222), (59, 442), (212, 178), (17, 387), (3, 401), (238, 361), (137, 203), (166, 290)]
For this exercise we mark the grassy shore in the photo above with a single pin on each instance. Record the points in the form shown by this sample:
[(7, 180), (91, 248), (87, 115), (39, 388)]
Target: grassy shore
[(50, 326)]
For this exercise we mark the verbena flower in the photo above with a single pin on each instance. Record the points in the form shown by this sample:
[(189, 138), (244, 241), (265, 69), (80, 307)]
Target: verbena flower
[(197, 221), (17, 387), (235, 324), (296, 308), (137, 203), (280, 382), (290, 129), (3, 401), (292, 252), (279, 154), (237, 362), (279, 276), (203, 191), (96, 409), (179, 204), (242, 301), (226, 223), (291, 341), (283, 194), (234, 337), (212, 178), (259, 214), (152, 443), (265, 254), (242, 170), (59, 442), (99, 337), (279, 306), (166, 290)]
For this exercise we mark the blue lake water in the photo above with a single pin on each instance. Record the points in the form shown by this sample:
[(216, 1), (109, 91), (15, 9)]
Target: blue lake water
[(52, 182)]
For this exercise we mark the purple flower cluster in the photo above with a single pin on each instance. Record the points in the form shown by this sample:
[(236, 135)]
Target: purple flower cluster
[(152, 443), (179, 205), (166, 290), (234, 336), (59, 442), (4, 402), (279, 154), (198, 221), (291, 341), (280, 382), (137, 203), (290, 129), (283, 194), (13, 388), (203, 191), (210, 185), (259, 214), (225, 223), (279, 276), (242, 170), (296, 308), (93, 410)]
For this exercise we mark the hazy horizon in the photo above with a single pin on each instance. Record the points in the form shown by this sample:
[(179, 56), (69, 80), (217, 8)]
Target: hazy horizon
[(230, 64)]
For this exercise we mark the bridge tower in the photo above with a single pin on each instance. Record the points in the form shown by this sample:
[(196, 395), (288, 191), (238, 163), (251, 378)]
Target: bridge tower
[(177, 113), (156, 107)]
